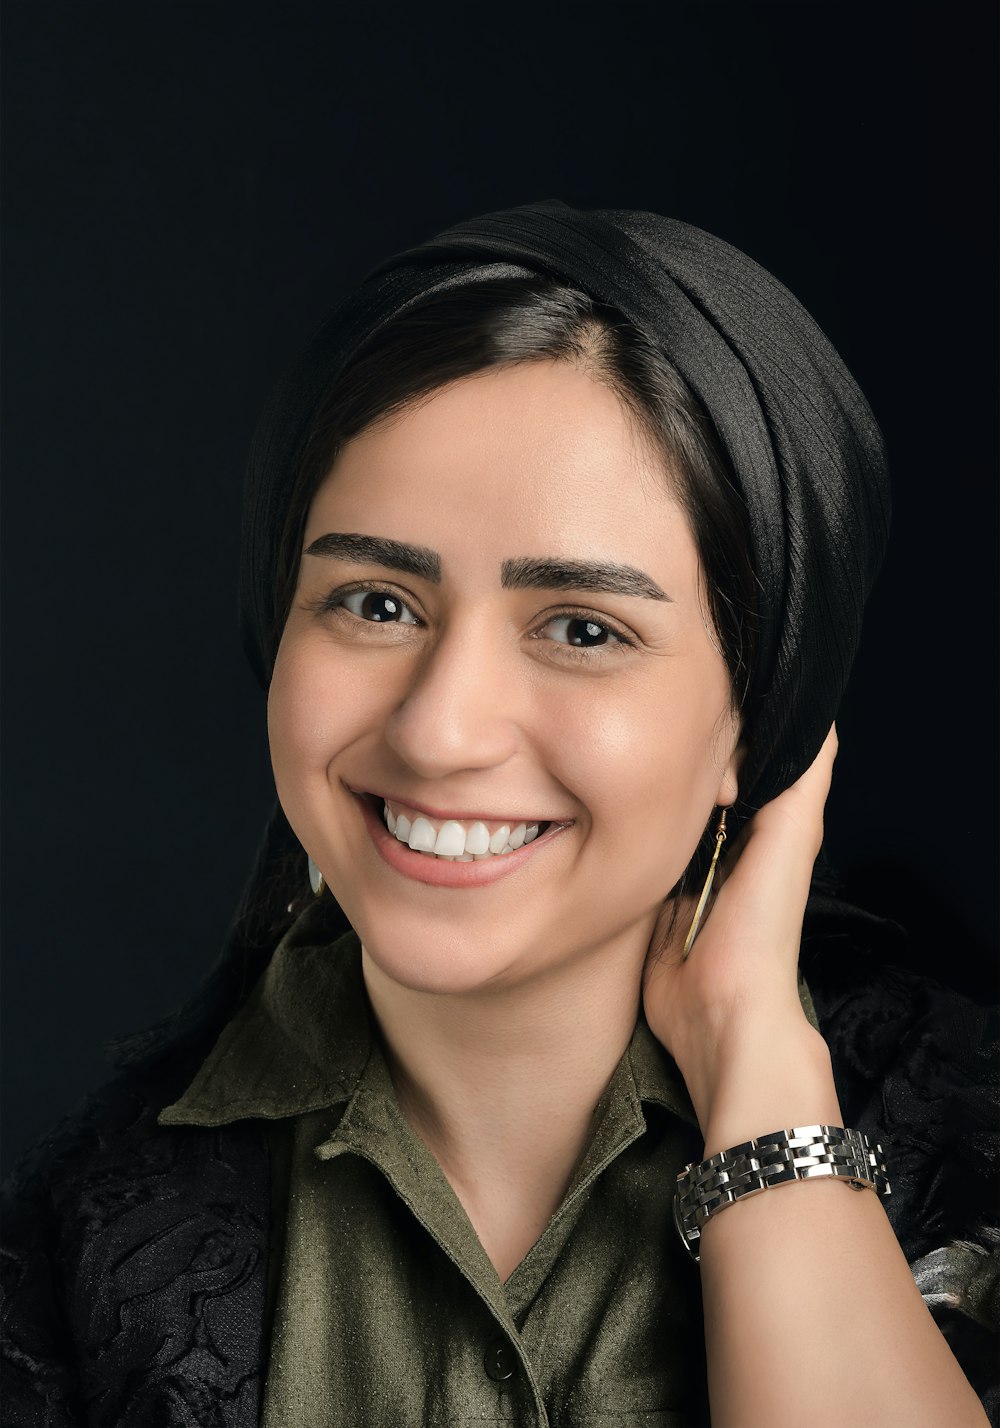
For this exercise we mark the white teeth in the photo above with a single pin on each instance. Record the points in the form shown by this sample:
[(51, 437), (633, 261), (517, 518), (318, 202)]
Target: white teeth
[(422, 836), (450, 842)]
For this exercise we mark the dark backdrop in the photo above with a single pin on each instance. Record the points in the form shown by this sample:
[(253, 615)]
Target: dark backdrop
[(189, 187)]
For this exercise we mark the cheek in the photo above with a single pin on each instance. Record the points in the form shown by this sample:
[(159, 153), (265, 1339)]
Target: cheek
[(652, 766), (314, 708)]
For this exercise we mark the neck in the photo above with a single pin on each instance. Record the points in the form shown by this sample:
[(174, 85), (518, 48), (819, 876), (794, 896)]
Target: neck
[(502, 1083)]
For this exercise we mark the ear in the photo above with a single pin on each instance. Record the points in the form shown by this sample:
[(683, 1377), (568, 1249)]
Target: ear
[(729, 783)]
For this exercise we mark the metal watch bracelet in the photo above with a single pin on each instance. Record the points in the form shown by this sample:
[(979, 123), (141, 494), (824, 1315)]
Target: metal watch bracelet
[(803, 1153)]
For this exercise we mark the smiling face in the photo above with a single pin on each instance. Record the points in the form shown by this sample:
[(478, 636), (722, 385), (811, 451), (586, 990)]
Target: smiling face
[(519, 638)]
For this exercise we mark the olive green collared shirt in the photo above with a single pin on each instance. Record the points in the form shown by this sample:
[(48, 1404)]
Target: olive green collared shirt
[(383, 1306)]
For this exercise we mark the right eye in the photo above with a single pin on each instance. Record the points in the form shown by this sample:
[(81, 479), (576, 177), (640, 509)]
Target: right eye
[(372, 605)]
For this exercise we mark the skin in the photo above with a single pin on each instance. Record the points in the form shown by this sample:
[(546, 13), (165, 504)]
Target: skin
[(505, 1009)]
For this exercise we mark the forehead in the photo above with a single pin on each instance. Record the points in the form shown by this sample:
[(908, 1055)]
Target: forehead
[(523, 460)]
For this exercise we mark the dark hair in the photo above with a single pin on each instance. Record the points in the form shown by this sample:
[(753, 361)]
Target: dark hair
[(502, 321)]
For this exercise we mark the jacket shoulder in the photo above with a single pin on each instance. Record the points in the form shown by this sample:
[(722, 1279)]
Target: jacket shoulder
[(134, 1260)]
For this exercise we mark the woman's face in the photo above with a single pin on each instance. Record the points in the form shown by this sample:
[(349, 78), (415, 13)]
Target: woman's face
[(513, 635)]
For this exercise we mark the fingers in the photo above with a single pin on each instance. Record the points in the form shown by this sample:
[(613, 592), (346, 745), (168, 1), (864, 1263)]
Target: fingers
[(786, 835), (830, 745), (789, 828), (814, 783), (818, 776)]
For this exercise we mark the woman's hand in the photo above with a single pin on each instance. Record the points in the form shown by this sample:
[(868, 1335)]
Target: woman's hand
[(810, 1275), (730, 1015)]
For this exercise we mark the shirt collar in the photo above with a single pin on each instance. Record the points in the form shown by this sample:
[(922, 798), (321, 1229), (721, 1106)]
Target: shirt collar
[(300, 1041), (305, 1035)]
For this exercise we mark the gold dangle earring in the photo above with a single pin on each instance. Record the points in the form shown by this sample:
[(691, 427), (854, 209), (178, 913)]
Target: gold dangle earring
[(720, 838), (317, 882)]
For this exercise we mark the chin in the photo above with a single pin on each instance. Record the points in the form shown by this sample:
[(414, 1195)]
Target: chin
[(435, 961)]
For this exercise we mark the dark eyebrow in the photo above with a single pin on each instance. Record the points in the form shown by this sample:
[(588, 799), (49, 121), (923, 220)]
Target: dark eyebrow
[(609, 579), (378, 550)]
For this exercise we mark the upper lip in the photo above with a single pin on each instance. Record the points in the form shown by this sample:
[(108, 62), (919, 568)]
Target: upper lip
[(443, 814)]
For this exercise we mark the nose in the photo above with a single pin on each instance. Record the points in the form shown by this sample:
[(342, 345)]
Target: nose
[(457, 711)]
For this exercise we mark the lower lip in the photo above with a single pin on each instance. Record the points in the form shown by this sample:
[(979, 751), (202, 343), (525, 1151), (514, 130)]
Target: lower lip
[(425, 868)]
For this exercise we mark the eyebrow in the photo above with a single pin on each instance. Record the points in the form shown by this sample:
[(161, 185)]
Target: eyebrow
[(609, 578), (378, 550)]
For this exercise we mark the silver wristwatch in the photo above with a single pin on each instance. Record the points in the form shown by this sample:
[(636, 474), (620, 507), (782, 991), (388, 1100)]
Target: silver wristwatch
[(803, 1153)]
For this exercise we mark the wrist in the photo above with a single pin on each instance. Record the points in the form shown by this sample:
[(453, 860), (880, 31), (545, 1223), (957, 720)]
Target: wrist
[(766, 1084)]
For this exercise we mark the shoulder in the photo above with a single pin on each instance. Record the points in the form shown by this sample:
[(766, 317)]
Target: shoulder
[(116, 1232)]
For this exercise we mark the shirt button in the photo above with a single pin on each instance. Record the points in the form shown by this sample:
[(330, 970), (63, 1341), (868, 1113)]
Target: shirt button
[(500, 1361)]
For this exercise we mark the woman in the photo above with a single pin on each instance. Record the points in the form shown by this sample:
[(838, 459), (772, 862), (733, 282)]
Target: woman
[(556, 544)]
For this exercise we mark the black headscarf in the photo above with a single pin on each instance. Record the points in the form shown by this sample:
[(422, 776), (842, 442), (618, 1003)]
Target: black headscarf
[(800, 437)]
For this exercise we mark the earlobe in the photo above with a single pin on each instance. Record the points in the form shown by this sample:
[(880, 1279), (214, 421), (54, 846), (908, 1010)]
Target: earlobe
[(729, 785)]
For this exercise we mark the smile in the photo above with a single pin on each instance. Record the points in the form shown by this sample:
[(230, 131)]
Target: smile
[(455, 841), (462, 870)]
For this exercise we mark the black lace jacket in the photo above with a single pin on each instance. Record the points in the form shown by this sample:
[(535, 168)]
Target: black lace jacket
[(135, 1260)]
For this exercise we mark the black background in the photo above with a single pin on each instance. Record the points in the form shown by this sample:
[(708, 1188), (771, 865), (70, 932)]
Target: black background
[(188, 187)]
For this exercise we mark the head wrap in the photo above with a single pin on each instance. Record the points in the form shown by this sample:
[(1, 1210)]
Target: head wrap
[(800, 437)]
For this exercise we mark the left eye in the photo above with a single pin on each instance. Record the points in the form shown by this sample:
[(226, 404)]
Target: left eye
[(377, 607), (584, 633)]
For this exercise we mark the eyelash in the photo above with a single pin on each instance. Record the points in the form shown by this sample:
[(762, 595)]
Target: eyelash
[(333, 603)]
